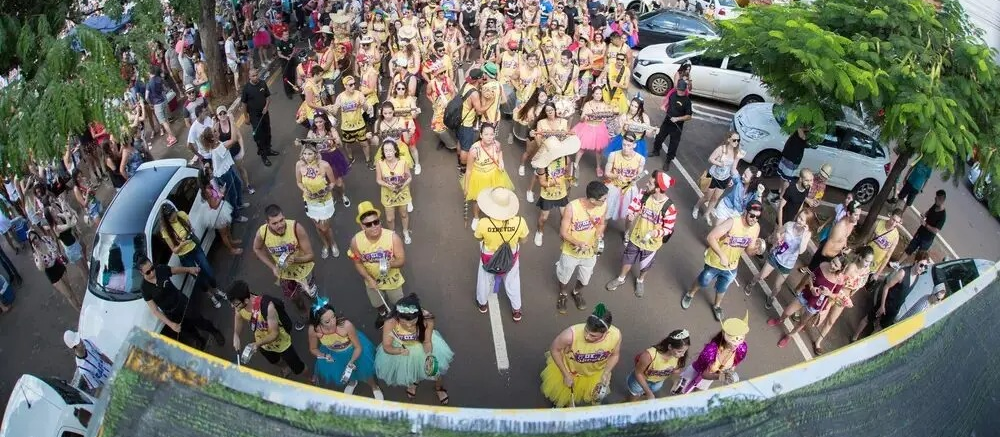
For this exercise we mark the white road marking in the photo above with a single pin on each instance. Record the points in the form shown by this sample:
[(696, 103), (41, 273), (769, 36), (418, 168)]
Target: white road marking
[(712, 114), (806, 354), (499, 339)]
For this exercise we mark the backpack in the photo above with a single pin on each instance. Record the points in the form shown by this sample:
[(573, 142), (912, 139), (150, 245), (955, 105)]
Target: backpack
[(279, 307), (503, 258), (453, 112), (663, 211)]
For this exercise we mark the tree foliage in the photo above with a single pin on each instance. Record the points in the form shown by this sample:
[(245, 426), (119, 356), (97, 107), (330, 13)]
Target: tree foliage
[(923, 79)]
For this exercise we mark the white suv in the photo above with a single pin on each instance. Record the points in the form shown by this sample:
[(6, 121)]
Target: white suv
[(726, 79), (860, 163)]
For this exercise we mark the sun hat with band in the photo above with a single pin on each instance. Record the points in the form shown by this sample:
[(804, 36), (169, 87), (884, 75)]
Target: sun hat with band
[(221, 109), (553, 148), (407, 32), (498, 203), (826, 171), (366, 207), (326, 30)]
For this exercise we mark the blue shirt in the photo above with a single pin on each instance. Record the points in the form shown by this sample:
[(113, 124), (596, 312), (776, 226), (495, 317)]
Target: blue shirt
[(546, 7), (918, 177), (738, 198)]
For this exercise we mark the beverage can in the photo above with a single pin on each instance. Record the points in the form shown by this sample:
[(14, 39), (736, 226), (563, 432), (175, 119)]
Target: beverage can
[(600, 246), (347, 374)]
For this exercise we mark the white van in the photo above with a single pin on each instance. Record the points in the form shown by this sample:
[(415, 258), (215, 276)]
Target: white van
[(46, 407)]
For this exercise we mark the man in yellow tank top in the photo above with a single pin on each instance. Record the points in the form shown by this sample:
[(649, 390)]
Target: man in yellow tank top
[(652, 217), (582, 231), (885, 240), (271, 338), (492, 93), (473, 108), (501, 224), (553, 172), (726, 243), (283, 246), (378, 256)]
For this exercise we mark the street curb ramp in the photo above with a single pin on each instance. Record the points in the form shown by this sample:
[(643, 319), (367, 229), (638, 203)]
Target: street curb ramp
[(934, 374)]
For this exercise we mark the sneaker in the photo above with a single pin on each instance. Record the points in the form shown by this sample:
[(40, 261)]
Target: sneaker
[(346, 201), (483, 309), (516, 316), (561, 304), (530, 196), (325, 253), (694, 213), (409, 206), (538, 239), (686, 301), (245, 205), (717, 312), (251, 190), (242, 219), (578, 301), (215, 301), (349, 390), (299, 326), (416, 169), (639, 288), (475, 222), (708, 218), (335, 251), (377, 392), (520, 170), (614, 284), (774, 321), (406, 237), (769, 304)]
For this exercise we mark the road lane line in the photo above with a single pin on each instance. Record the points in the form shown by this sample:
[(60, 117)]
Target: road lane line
[(499, 339), (806, 354)]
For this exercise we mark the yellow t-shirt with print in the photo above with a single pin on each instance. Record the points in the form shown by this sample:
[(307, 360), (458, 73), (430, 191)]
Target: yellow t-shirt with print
[(583, 227), (370, 253), (557, 172), (494, 232), (186, 242)]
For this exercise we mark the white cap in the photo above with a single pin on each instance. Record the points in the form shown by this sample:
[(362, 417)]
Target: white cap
[(71, 338)]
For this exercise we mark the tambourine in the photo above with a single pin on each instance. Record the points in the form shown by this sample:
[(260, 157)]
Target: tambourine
[(431, 367)]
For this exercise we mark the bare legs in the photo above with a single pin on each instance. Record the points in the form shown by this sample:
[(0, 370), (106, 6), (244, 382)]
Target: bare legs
[(63, 288)]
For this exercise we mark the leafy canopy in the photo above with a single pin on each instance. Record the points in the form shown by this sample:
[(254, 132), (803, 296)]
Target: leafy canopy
[(924, 79)]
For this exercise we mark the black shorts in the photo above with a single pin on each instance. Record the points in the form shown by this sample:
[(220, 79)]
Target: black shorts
[(722, 185), (818, 257), (919, 243), (289, 355), (546, 204), (56, 272)]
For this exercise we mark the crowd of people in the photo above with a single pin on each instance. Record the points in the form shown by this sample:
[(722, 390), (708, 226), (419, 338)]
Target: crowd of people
[(558, 74)]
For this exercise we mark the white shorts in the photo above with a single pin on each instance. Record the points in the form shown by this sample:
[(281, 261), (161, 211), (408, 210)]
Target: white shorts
[(569, 264), (233, 67), (320, 211), (723, 212), (688, 375)]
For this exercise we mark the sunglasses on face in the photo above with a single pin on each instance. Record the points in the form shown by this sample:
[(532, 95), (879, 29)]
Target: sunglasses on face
[(371, 223), (753, 216), (146, 272)]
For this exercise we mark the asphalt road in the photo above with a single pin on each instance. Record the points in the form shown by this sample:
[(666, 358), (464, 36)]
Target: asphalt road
[(441, 265)]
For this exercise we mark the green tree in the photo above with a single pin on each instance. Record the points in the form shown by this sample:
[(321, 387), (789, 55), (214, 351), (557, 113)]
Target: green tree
[(922, 78)]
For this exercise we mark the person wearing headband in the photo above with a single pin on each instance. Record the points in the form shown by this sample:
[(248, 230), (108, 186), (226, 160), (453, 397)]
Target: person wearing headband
[(718, 359), (726, 243), (652, 217), (580, 360), (338, 346), (658, 363), (412, 350)]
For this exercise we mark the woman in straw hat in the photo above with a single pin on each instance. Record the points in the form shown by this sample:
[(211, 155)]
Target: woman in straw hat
[(718, 359), (553, 171), (526, 117), (487, 169), (579, 362), (412, 350), (502, 224), (393, 175), (548, 124)]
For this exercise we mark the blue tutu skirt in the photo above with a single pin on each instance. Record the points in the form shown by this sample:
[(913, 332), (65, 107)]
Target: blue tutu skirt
[(616, 144), (330, 372), (406, 370)]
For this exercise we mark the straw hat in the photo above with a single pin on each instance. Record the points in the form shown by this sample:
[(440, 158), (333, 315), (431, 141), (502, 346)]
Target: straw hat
[(407, 32), (365, 208), (553, 148), (498, 203), (326, 30), (826, 171), (367, 39), (339, 18)]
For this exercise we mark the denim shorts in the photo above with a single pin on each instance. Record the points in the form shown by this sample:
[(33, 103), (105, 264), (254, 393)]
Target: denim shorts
[(467, 136), (722, 278), (636, 390)]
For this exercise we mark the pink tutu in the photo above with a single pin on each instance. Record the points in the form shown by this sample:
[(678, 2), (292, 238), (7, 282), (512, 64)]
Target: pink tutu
[(592, 137)]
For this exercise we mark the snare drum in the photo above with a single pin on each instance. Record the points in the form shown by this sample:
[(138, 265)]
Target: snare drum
[(521, 131)]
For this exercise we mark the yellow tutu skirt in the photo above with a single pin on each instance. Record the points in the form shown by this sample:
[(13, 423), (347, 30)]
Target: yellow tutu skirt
[(556, 391), (479, 181)]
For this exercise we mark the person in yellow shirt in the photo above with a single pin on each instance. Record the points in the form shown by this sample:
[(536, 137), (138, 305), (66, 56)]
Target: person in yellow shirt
[(616, 78), (378, 257), (726, 242), (284, 247), (554, 174), (501, 225), (582, 232), (655, 365), (884, 243), (580, 360), (392, 174), (352, 105), (267, 319), (177, 232), (652, 217), (492, 93)]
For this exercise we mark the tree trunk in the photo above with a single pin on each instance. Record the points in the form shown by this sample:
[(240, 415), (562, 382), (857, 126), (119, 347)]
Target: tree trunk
[(209, 31), (865, 232)]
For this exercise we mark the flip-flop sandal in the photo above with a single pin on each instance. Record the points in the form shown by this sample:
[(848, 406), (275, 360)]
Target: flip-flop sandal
[(818, 350), (783, 342), (411, 394), (443, 400)]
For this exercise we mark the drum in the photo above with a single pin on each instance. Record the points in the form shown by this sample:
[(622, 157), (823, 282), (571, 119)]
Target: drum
[(508, 102), (521, 131)]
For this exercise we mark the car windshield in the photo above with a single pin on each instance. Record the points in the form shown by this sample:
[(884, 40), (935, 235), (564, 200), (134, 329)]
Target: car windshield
[(680, 49), (113, 274), (68, 394), (955, 274)]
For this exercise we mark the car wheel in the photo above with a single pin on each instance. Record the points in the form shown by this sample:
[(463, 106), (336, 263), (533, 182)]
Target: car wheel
[(865, 190), (979, 192), (767, 163), (659, 84), (633, 7), (752, 98)]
